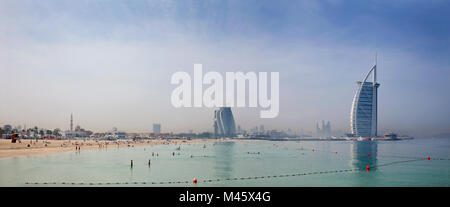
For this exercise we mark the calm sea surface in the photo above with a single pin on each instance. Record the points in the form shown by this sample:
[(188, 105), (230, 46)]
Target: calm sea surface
[(395, 163)]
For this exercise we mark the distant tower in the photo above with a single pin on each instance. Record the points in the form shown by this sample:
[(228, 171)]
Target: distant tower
[(328, 129), (224, 125), (71, 122), (317, 129), (157, 128)]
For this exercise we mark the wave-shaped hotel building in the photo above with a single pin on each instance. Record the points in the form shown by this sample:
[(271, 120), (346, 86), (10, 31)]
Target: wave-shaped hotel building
[(224, 125), (363, 115)]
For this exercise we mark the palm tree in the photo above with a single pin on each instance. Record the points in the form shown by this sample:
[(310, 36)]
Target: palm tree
[(56, 132), (49, 132)]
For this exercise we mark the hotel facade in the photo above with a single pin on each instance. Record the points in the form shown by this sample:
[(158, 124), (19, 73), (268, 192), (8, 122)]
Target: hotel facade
[(224, 125), (364, 111)]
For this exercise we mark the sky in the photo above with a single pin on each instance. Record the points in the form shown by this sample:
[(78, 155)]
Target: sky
[(110, 62)]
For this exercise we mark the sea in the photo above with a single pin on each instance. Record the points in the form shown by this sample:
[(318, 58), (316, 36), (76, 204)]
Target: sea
[(416, 162)]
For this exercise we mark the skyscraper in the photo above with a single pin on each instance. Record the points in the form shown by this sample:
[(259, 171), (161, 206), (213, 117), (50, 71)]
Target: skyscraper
[(224, 125), (325, 131), (157, 128), (363, 114), (71, 122)]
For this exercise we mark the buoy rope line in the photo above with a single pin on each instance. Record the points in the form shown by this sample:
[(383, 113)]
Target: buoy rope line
[(397, 162), (388, 156), (226, 179), (335, 152)]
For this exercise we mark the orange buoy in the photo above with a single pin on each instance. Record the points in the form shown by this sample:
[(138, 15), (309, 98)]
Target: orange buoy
[(335, 152), (368, 168), (313, 150), (368, 155), (195, 180), (428, 157)]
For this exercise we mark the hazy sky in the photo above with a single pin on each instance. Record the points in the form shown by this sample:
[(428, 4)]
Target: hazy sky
[(110, 62)]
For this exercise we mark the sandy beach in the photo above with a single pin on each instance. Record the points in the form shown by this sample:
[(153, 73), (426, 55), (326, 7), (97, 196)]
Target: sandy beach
[(28, 147)]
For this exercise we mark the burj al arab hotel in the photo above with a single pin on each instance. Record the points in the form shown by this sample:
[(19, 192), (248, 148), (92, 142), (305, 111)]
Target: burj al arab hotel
[(363, 114)]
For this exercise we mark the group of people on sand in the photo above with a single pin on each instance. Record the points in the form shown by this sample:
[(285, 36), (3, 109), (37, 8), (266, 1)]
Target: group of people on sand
[(102, 145)]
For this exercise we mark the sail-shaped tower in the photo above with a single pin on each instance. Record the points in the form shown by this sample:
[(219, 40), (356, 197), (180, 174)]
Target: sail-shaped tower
[(364, 111)]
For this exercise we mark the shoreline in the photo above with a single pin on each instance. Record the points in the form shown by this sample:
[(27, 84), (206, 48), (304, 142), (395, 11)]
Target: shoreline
[(44, 147)]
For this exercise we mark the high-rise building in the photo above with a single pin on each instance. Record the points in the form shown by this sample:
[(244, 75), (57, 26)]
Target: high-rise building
[(325, 131), (224, 125), (157, 128), (363, 114), (71, 122), (254, 130)]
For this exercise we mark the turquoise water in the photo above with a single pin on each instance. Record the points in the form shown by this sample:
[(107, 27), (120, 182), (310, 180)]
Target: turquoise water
[(227, 161)]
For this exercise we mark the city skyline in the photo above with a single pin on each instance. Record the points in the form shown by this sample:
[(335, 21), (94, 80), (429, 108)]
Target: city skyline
[(156, 128), (110, 64)]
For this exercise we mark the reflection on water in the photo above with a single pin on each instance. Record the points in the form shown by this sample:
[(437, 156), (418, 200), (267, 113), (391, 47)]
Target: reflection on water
[(223, 159), (364, 153)]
